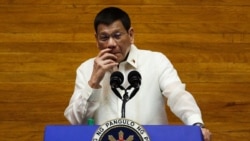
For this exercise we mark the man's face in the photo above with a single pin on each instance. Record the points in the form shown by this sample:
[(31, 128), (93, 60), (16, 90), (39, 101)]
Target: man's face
[(115, 37)]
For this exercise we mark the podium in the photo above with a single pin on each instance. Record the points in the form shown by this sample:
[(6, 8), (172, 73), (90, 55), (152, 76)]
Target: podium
[(155, 132)]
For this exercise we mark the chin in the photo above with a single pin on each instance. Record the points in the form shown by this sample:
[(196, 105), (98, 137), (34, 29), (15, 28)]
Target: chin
[(120, 58)]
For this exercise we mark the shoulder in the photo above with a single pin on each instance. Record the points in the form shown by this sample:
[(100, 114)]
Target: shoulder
[(152, 55), (86, 65), (153, 59)]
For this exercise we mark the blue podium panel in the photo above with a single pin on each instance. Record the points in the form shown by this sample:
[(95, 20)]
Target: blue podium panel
[(155, 132)]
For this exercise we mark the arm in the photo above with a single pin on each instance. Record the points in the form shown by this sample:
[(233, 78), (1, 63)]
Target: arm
[(180, 101), (85, 99)]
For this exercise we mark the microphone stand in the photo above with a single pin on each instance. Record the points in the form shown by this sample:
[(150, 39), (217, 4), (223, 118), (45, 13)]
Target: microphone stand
[(125, 97), (124, 101)]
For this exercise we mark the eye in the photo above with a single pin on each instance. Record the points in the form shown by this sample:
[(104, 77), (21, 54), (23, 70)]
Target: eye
[(117, 35), (103, 37)]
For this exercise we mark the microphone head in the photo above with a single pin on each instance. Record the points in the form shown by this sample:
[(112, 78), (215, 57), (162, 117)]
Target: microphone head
[(134, 78), (116, 79)]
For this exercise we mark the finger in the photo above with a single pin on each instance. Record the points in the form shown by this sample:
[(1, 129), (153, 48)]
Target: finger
[(104, 65), (206, 134), (106, 59), (108, 64), (104, 51)]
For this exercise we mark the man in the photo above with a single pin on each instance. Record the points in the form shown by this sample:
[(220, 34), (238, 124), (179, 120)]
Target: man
[(93, 97)]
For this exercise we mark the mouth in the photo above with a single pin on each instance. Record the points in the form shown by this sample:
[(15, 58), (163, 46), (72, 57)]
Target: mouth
[(115, 53)]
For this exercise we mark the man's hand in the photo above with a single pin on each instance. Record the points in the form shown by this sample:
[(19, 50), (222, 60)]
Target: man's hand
[(103, 62), (206, 134)]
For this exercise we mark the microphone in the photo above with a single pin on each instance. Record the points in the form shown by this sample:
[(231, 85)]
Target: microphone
[(134, 78), (116, 79)]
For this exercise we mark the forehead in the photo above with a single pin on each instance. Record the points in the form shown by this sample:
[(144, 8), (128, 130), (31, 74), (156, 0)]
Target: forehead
[(113, 27)]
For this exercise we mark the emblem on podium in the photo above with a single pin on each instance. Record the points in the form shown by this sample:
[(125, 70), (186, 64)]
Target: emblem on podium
[(121, 129)]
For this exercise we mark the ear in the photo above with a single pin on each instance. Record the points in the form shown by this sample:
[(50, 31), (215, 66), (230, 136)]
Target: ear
[(131, 35)]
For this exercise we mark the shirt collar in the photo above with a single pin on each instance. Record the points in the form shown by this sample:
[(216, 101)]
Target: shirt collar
[(132, 57)]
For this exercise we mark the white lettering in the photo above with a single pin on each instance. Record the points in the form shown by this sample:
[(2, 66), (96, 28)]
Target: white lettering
[(141, 131), (99, 131)]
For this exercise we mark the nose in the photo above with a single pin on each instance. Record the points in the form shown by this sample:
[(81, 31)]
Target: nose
[(111, 43)]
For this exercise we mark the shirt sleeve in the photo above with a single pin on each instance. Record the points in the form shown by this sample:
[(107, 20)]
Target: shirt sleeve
[(180, 101), (84, 100)]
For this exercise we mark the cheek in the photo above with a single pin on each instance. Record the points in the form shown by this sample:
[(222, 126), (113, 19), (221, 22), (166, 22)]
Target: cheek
[(101, 46), (125, 46), (125, 51)]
